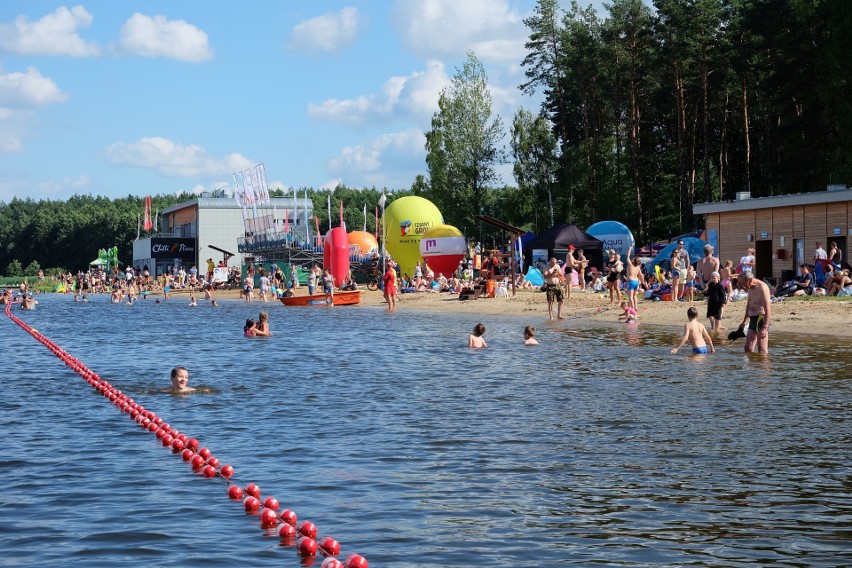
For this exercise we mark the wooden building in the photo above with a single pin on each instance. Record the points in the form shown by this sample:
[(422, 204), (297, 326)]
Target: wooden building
[(783, 230)]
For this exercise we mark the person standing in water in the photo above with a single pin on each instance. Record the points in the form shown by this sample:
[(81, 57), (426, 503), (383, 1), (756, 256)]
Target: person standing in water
[(475, 339), (696, 334)]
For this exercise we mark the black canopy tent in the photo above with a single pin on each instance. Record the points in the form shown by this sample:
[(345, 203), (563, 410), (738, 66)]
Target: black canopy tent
[(556, 240)]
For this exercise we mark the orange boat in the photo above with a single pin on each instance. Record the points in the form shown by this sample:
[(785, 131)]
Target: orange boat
[(341, 298)]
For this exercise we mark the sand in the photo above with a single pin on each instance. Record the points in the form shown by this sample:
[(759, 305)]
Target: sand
[(808, 315)]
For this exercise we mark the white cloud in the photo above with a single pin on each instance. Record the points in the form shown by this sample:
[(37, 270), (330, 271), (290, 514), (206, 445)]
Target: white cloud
[(30, 89), (449, 28), (159, 37), (13, 129), (414, 96), (329, 32), (54, 34), (173, 159), (64, 185), (391, 160)]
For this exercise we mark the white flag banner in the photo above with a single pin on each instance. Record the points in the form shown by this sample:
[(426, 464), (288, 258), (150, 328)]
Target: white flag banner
[(255, 182), (261, 176), (248, 196), (238, 192)]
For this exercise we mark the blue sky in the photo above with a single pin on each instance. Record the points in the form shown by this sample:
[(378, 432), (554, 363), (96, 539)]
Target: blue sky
[(155, 97)]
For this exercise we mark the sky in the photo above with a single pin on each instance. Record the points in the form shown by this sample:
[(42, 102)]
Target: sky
[(159, 97)]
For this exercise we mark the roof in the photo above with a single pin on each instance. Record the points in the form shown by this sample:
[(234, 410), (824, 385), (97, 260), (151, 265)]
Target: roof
[(560, 236), (231, 203), (814, 198), (500, 224)]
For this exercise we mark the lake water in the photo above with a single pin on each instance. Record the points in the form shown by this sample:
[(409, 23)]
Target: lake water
[(594, 448)]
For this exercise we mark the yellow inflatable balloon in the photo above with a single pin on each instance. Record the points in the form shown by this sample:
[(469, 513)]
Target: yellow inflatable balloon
[(362, 243), (405, 221)]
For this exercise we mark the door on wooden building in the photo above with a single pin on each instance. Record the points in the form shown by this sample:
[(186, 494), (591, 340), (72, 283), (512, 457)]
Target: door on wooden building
[(763, 259)]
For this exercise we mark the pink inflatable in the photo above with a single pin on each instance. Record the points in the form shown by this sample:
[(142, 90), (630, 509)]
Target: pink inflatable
[(335, 253)]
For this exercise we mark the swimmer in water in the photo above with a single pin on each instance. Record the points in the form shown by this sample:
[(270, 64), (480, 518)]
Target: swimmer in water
[(214, 304), (261, 329), (249, 329), (192, 302), (180, 382), (695, 332), (475, 340), (529, 336)]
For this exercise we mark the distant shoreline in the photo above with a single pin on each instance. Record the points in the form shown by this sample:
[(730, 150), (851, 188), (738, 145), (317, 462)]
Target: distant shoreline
[(805, 315)]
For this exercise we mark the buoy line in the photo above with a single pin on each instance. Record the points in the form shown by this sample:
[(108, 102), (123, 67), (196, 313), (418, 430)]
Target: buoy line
[(301, 534)]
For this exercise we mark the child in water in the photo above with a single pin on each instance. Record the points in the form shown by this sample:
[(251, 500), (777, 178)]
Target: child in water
[(180, 382), (475, 340), (192, 302), (630, 314), (529, 336), (249, 330), (695, 332)]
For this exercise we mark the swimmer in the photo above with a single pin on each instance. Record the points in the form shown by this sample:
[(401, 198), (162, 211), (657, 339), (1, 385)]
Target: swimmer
[(262, 326), (529, 336), (180, 382), (249, 329), (157, 301), (630, 314), (695, 332), (192, 302), (475, 340), (214, 304)]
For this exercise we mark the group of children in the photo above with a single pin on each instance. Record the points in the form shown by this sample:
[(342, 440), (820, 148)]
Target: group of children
[(694, 333), (259, 328), (476, 340)]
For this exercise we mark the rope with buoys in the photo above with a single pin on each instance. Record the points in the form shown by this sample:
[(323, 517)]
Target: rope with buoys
[(301, 534)]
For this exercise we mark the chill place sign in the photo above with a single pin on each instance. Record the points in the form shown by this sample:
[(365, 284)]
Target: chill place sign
[(176, 247)]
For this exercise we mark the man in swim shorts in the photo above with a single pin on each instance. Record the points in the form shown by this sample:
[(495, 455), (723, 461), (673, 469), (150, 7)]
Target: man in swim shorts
[(180, 382), (758, 313), (553, 288), (696, 334)]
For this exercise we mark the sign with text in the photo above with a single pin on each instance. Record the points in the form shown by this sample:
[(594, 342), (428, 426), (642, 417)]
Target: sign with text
[(173, 247)]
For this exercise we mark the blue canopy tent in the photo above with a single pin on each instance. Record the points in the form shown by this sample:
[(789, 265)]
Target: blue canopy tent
[(694, 246)]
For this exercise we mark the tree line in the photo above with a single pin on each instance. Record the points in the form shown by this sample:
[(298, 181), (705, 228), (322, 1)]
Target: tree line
[(647, 111)]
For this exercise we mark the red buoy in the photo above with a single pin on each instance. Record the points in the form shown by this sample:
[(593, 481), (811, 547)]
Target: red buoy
[(167, 441), (204, 453), (160, 433), (209, 471), (253, 490), (226, 472), (307, 528), (268, 518), (234, 492), (271, 503), (197, 461), (307, 547), (214, 461), (251, 504), (187, 455), (288, 517), (329, 546), (192, 444), (286, 531), (152, 426), (331, 562), (355, 561), (177, 445)]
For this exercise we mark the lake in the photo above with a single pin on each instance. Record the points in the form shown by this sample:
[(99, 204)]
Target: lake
[(596, 447)]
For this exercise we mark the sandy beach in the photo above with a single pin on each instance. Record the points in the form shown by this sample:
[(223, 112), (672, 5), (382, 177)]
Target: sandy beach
[(806, 315)]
